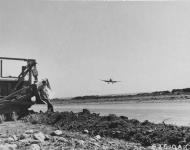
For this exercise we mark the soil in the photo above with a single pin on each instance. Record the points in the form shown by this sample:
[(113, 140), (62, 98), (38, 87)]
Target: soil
[(112, 126), (20, 135)]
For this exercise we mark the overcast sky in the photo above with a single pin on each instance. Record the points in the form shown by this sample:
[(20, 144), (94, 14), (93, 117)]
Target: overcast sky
[(146, 45)]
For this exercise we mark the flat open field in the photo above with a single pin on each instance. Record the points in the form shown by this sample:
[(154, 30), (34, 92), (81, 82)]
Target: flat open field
[(173, 109)]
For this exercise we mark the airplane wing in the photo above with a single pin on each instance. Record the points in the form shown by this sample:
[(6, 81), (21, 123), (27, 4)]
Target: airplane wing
[(105, 80), (115, 81)]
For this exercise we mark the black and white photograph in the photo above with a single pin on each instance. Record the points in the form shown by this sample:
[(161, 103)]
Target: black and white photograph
[(94, 75)]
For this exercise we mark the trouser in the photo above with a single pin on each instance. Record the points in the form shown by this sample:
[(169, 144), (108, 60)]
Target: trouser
[(49, 105)]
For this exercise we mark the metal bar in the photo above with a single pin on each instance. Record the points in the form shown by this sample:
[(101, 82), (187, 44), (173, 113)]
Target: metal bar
[(1, 69), (30, 75), (22, 75), (12, 94), (22, 59), (9, 77)]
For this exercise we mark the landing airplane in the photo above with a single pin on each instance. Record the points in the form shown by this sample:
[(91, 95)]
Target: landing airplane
[(110, 81)]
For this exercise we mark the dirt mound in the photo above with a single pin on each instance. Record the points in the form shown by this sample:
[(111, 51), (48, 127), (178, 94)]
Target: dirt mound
[(146, 133)]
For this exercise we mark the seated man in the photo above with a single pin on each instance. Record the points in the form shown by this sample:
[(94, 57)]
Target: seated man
[(44, 94)]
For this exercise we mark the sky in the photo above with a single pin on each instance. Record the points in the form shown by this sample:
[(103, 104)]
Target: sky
[(146, 45)]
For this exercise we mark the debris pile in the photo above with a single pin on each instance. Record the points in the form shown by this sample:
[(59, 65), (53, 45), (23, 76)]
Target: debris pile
[(58, 140), (132, 130)]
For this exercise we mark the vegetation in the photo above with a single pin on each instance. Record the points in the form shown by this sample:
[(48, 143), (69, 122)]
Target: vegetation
[(175, 94), (132, 130)]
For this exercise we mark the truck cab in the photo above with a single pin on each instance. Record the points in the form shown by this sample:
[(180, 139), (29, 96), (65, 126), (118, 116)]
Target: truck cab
[(11, 81), (17, 86)]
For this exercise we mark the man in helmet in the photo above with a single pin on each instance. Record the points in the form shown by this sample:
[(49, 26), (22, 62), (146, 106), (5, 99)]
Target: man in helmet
[(44, 95)]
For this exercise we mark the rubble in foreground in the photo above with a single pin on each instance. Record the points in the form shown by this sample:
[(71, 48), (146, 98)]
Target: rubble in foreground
[(145, 133), (26, 136)]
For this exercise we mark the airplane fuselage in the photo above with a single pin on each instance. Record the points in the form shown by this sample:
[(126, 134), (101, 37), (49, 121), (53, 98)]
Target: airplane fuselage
[(110, 81)]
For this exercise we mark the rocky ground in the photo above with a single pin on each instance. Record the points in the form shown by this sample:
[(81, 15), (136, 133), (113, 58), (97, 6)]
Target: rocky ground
[(27, 136), (86, 130), (119, 127)]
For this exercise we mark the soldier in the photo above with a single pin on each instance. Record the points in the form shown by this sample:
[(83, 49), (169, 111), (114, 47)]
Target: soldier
[(44, 94)]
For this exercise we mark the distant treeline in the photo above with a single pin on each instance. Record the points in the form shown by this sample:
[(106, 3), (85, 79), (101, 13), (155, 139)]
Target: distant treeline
[(157, 93)]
